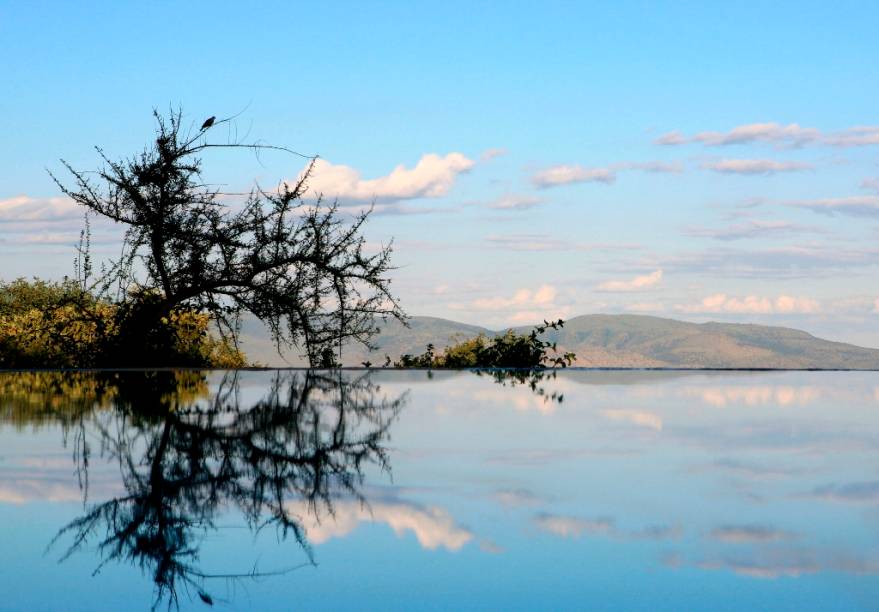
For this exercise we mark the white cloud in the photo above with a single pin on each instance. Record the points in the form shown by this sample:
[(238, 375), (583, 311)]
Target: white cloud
[(433, 527), (752, 304), (643, 307), (871, 184), (565, 175), (431, 177), (25, 209), (652, 166), (546, 242), (855, 206), (854, 137), (752, 229), (490, 154), (775, 133), (515, 202), (573, 527), (754, 166), (791, 135), (639, 418), (754, 395), (639, 283), (876, 306), (523, 297), (525, 306)]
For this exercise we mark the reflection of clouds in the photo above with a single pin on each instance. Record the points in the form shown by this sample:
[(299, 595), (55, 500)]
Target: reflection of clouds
[(772, 564), (535, 457), (864, 492), (768, 570), (27, 491), (515, 497), (657, 532), (753, 471), (639, 418), (762, 395), (434, 527), (572, 527), (738, 534), (805, 436), (575, 527), (490, 547), (521, 400), (36, 486)]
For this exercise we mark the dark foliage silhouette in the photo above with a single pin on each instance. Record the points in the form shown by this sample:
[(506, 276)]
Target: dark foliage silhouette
[(299, 268), (186, 456)]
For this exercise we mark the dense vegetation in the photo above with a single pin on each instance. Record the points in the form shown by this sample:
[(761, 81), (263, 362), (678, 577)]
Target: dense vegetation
[(60, 325), (508, 350)]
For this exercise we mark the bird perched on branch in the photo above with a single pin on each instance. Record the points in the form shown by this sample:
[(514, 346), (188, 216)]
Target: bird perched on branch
[(208, 122)]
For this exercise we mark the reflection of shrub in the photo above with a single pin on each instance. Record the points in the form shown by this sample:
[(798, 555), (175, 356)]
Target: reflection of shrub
[(45, 324), (508, 350)]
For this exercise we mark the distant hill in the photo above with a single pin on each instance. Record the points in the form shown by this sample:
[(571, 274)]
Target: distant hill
[(616, 341)]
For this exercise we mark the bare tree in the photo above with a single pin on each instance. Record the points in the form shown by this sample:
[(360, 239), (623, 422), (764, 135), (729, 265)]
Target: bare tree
[(301, 269)]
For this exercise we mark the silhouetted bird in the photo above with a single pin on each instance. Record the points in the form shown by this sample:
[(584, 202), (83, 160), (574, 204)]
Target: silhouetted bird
[(208, 123)]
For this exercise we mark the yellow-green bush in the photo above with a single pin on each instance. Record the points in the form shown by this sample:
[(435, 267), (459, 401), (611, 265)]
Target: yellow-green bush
[(58, 325)]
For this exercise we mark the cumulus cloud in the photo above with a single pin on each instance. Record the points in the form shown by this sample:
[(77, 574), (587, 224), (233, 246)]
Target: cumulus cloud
[(431, 177), (25, 209), (568, 174), (523, 297), (638, 283), (754, 166), (753, 229), (854, 206), (752, 304), (524, 306)]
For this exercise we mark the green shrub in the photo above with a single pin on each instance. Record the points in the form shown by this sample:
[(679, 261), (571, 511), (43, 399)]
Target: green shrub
[(58, 325), (508, 350)]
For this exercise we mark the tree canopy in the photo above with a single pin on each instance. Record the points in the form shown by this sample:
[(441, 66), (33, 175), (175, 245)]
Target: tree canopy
[(300, 267)]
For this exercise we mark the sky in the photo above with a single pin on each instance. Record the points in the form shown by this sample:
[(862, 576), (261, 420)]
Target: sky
[(689, 160)]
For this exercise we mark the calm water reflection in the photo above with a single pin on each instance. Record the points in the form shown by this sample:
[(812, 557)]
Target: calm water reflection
[(399, 490)]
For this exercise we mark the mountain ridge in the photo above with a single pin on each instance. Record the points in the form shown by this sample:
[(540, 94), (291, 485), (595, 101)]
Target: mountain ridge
[(612, 341)]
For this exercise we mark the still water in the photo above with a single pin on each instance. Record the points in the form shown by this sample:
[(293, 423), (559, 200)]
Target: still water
[(403, 490)]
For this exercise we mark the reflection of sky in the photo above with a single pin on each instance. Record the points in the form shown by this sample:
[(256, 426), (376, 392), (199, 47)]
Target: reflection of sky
[(635, 492)]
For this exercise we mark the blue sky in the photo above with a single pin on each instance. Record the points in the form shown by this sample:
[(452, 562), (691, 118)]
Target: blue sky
[(688, 160)]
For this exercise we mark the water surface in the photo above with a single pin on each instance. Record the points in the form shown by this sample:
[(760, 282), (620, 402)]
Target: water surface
[(403, 490)]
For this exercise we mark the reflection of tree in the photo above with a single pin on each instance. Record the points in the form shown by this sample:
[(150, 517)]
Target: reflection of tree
[(533, 379), (186, 456)]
